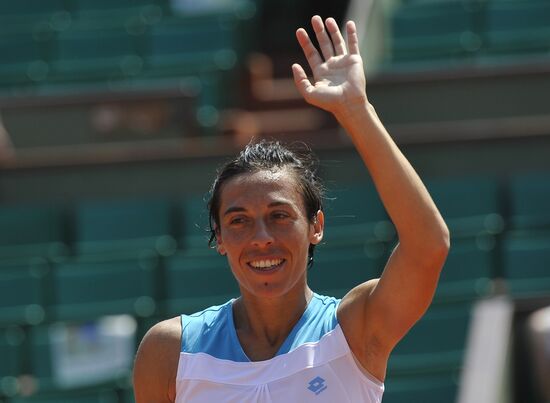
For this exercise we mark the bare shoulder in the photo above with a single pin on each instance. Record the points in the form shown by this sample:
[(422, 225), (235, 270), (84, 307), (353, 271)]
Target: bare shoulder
[(156, 362), (164, 334), (162, 340)]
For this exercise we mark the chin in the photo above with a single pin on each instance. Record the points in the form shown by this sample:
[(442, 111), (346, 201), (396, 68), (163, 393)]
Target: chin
[(269, 290)]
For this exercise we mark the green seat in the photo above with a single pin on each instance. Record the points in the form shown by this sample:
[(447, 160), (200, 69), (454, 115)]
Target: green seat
[(422, 388), (354, 214), (24, 60), (353, 204), (184, 46), (525, 263), (470, 207), (32, 230), (467, 273), (193, 222), (518, 27), (124, 225), (24, 8), (529, 201), (86, 396), (119, 10), (336, 271), (86, 288), (434, 31), (22, 291), (11, 364), (436, 342), (24, 16), (208, 46), (189, 284), (96, 54)]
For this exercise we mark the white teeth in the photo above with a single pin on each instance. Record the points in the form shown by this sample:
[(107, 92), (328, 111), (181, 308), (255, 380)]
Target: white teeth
[(262, 264)]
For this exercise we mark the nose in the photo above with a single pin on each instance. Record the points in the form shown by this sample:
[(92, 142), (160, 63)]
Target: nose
[(262, 236)]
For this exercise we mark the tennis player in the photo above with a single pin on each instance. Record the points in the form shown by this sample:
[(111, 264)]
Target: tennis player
[(280, 341)]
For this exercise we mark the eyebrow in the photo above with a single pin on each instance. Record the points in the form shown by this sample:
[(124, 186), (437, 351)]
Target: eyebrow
[(237, 209)]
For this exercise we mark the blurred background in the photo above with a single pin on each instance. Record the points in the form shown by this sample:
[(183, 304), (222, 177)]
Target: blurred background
[(116, 113)]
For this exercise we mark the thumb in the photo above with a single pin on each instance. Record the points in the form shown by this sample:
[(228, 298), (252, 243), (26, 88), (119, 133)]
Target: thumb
[(302, 82)]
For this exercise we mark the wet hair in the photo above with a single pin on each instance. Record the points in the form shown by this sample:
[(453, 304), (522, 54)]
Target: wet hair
[(271, 156)]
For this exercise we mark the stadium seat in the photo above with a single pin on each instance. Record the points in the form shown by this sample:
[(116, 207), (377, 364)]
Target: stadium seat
[(207, 45), (186, 46), (353, 204), (24, 60), (22, 291), (467, 273), (26, 16), (434, 31), (89, 287), (96, 55), (124, 225), (193, 222), (194, 283), (437, 387), (529, 196), (23, 9), (32, 230), (436, 343), (119, 10), (354, 214), (518, 27), (11, 363), (335, 271), (525, 260), (471, 207)]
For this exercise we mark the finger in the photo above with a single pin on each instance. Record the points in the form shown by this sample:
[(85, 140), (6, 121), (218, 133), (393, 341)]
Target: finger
[(353, 42), (336, 36), (310, 51), (322, 37), (300, 79)]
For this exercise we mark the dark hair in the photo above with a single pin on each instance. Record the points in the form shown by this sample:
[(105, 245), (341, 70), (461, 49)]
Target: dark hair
[(271, 155)]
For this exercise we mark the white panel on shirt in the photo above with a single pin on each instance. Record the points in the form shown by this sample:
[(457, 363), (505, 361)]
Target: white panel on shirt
[(323, 372)]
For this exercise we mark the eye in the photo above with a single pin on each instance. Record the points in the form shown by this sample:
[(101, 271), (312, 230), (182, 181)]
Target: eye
[(280, 215), (237, 220)]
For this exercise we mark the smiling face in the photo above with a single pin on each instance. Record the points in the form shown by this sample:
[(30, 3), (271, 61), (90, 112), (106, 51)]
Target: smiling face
[(265, 233)]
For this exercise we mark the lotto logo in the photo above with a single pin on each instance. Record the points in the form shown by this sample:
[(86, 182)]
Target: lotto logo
[(317, 385)]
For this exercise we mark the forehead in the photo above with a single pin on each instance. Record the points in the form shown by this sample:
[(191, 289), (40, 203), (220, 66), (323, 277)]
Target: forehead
[(260, 188)]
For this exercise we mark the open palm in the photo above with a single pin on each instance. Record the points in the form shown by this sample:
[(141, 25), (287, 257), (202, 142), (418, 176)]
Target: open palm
[(338, 76)]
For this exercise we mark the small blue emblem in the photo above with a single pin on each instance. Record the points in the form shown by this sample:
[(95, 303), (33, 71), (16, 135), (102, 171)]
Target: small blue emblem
[(317, 385)]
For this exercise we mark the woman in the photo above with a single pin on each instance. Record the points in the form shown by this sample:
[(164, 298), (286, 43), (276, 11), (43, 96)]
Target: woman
[(279, 341)]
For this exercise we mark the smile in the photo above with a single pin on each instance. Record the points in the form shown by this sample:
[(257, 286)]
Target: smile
[(266, 264)]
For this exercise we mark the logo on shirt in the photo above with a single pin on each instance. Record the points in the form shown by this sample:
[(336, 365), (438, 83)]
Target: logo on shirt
[(317, 385)]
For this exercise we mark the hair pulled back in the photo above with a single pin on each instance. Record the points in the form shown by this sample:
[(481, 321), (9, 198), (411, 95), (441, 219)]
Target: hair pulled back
[(271, 156)]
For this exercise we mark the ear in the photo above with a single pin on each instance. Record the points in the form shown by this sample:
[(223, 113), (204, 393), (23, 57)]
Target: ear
[(219, 242), (317, 227)]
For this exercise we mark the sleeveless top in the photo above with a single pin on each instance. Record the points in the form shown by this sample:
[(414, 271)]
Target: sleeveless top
[(314, 364)]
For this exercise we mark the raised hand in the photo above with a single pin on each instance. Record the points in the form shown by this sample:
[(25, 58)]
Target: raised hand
[(338, 76)]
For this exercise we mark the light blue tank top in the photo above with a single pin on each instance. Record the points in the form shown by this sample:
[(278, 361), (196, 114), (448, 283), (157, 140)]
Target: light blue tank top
[(314, 364), (212, 331)]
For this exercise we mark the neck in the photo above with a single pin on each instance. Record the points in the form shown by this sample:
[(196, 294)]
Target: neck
[(269, 320)]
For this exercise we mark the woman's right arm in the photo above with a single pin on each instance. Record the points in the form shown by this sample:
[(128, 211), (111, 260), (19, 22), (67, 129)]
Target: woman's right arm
[(156, 363)]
